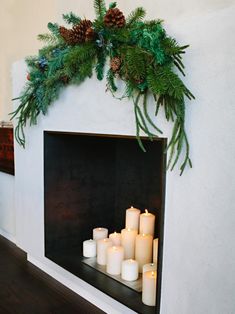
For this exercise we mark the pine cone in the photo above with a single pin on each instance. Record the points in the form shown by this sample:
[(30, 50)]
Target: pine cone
[(114, 18), (78, 33), (115, 64), (66, 34), (90, 34)]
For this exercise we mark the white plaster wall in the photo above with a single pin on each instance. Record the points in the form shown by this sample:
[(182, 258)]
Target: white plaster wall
[(199, 268), (7, 206)]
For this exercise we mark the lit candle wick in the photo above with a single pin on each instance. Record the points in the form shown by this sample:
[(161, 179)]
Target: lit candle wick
[(146, 211)]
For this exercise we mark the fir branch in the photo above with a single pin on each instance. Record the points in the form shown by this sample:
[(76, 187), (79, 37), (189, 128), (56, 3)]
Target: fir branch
[(135, 16), (48, 38), (110, 81), (71, 18), (100, 9), (54, 28), (101, 59)]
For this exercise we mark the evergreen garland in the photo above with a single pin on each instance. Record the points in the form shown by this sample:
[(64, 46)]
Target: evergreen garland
[(141, 54)]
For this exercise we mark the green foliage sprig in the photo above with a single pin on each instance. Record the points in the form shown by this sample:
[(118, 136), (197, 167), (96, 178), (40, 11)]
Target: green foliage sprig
[(140, 53)]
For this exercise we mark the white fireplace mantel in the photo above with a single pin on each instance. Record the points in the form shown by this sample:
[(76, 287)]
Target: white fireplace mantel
[(198, 272)]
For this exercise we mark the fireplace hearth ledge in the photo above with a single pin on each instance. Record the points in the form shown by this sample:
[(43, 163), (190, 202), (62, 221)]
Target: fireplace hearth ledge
[(88, 292)]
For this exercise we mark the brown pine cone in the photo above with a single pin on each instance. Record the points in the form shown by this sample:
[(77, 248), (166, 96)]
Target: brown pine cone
[(114, 18), (66, 34), (90, 34), (115, 64), (78, 34)]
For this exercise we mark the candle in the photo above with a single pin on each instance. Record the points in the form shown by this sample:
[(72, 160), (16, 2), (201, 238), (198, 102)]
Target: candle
[(149, 267), (130, 270), (115, 238), (143, 250), (147, 223), (132, 218), (115, 255), (128, 242), (102, 246), (155, 250), (100, 233), (89, 248), (149, 288)]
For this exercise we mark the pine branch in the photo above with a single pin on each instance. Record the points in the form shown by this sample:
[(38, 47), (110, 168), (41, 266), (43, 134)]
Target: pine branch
[(110, 81), (71, 18), (54, 28), (101, 59), (135, 16), (48, 38), (100, 9)]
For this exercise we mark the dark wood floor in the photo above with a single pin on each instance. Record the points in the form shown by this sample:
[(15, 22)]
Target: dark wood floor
[(24, 289)]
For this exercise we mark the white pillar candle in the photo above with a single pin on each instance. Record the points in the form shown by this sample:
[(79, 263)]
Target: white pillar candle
[(149, 288), (130, 270), (115, 238), (143, 250), (89, 248), (132, 218), (149, 267), (155, 250), (100, 233), (128, 242), (102, 246), (147, 223), (115, 256)]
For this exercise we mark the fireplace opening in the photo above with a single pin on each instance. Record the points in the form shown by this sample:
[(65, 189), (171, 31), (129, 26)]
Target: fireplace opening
[(89, 182)]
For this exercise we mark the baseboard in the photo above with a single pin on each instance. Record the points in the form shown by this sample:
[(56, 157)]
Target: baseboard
[(8, 236)]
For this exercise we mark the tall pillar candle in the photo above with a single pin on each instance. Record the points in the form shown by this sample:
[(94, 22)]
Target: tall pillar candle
[(89, 248), (115, 256), (149, 288), (143, 250), (100, 233), (149, 267), (147, 223), (102, 246), (155, 250), (130, 270), (115, 238), (128, 242), (132, 218)]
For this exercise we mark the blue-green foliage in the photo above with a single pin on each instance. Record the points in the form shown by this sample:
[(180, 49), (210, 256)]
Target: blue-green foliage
[(146, 61)]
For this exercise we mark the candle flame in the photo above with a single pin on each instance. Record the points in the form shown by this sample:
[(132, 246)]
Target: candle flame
[(132, 207), (128, 229), (153, 273), (146, 211), (115, 232), (99, 228)]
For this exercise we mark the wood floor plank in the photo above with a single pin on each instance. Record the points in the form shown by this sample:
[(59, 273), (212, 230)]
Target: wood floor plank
[(24, 289)]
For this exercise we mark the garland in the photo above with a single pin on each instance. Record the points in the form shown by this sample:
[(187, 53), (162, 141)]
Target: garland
[(140, 53)]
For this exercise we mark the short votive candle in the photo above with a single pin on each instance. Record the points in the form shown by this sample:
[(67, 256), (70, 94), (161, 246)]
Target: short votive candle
[(89, 248)]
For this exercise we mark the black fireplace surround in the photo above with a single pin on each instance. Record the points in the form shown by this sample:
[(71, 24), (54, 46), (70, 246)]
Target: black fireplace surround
[(89, 181)]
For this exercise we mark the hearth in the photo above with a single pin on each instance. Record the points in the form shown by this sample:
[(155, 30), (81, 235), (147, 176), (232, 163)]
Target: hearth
[(89, 181)]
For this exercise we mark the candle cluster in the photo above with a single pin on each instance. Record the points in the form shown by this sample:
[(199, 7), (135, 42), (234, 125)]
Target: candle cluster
[(129, 253)]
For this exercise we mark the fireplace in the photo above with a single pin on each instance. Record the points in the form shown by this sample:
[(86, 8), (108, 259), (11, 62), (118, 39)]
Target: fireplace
[(89, 181)]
